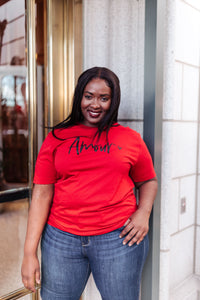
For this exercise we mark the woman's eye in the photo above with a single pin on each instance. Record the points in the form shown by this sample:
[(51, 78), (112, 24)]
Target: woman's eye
[(88, 97), (104, 99)]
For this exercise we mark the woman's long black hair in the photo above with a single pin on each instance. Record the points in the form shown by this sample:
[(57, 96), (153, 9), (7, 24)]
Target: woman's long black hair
[(76, 116)]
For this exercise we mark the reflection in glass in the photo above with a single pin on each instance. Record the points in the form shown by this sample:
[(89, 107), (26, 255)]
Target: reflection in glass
[(13, 106), (14, 129)]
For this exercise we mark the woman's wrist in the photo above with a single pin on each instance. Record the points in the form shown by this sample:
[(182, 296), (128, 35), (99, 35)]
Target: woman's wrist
[(147, 211), (30, 250)]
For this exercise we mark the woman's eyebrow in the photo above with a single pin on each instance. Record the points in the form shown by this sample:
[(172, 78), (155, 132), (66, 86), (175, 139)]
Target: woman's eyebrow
[(100, 94), (88, 92)]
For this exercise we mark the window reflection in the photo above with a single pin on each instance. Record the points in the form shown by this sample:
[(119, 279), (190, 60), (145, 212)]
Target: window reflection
[(14, 129), (13, 86)]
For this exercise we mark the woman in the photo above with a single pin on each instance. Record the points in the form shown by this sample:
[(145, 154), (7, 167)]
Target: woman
[(83, 201)]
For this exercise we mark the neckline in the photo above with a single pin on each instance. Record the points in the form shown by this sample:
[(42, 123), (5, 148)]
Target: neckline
[(94, 128), (86, 127)]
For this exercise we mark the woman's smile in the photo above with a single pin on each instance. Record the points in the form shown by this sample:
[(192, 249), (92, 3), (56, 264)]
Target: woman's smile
[(94, 114)]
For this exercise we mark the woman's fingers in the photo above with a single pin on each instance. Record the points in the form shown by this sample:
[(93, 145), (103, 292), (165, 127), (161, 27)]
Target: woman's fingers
[(133, 236), (128, 227), (29, 283), (37, 276), (136, 227)]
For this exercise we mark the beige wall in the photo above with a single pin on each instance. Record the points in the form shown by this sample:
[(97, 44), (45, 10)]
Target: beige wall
[(114, 38)]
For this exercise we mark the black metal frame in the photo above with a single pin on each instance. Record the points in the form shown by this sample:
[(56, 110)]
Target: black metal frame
[(13, 195)]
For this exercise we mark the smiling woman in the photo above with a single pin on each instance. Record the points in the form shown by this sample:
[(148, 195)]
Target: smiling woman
[(89, 220)]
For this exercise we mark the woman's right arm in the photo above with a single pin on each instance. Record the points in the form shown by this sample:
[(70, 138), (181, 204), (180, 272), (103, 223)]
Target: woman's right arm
[(38, 214)]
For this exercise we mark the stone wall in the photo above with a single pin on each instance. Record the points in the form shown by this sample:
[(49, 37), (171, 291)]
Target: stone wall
[(179, 264)]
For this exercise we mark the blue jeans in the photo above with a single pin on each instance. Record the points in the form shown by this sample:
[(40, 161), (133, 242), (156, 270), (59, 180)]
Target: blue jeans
[(68, 260)]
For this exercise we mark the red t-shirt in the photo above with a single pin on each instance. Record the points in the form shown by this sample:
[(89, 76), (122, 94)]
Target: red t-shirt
[(93, 179)]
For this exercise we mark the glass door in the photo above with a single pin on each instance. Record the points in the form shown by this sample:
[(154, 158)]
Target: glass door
[(14, 141)]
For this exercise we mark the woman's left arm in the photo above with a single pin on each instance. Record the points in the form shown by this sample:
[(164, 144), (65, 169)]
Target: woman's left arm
[(137, 226)]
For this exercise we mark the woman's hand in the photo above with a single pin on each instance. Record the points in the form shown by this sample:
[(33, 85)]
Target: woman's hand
[(137, 226), (30, 272)]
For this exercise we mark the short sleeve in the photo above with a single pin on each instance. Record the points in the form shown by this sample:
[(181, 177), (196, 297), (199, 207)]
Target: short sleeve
[(143, 169), (45, 172)]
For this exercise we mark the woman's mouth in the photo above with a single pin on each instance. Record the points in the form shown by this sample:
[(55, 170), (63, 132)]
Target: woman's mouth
[(94, 114)]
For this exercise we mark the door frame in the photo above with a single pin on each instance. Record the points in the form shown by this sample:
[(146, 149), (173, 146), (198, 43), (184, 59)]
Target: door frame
[(153, 112)]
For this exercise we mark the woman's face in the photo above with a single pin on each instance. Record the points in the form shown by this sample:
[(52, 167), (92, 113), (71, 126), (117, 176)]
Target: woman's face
[(95, 102)]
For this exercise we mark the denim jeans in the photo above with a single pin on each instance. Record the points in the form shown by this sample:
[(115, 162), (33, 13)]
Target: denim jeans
[(68, 260)]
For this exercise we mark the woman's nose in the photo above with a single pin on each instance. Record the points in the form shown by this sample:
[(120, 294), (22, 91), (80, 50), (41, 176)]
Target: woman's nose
[(95, 103)]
